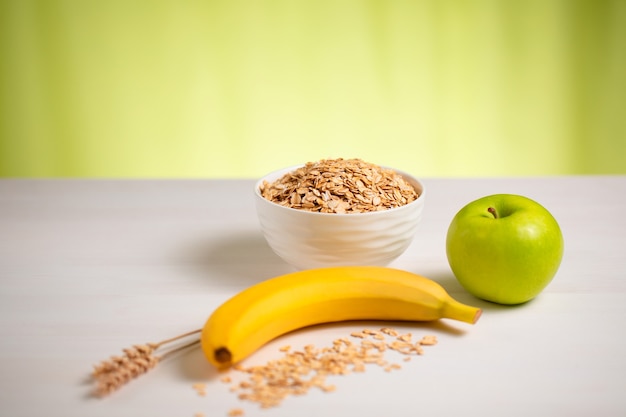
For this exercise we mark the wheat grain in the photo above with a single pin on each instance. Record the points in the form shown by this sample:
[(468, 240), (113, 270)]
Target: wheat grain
[(112, 374), (117, 371)]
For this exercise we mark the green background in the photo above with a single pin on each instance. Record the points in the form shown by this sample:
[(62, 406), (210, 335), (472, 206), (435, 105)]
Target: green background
[(230, 88)]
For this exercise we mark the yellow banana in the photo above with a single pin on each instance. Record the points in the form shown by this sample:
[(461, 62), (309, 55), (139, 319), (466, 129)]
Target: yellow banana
[(279, 305)]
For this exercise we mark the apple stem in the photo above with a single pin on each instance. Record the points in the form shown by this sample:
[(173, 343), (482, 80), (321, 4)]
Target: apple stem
[(493, 212)]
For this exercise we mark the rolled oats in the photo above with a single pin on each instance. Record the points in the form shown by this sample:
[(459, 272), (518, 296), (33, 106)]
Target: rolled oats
[(299, 371), (340, 186)]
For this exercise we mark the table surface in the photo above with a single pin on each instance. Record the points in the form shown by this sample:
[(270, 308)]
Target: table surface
[(89, 267)]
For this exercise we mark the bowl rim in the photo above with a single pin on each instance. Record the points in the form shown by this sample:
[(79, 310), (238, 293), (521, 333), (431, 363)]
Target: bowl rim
[(279, 172)]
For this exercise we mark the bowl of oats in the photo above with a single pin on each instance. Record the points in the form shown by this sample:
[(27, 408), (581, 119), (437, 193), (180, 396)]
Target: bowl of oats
[(335, 212)]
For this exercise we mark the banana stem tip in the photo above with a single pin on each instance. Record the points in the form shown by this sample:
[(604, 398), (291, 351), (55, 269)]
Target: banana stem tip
[(479, 313)]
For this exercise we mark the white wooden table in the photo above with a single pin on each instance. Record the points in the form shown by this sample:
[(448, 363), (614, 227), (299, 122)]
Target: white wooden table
[(88, 267)]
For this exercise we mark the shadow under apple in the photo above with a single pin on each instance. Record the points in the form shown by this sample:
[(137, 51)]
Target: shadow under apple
[(448, 281)]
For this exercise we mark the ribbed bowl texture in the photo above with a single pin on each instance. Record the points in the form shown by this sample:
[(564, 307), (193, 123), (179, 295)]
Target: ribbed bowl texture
[(309, 240)]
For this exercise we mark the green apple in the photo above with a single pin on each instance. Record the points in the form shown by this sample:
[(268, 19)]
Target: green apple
[(504, 248)]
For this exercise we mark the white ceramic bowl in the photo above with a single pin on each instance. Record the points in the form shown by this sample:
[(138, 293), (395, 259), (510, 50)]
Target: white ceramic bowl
[(308, 240)]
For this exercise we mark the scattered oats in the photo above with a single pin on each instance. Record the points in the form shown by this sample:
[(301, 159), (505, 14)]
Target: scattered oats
[(285, 348), (226, 379), (299, 371), (340, 186), (389, 332), (235, 412), (380, 346), (428, 340), (401, 346), (198, 415), (200, 388), (391, 367), (360, 367), (405, 337), (407, 359)]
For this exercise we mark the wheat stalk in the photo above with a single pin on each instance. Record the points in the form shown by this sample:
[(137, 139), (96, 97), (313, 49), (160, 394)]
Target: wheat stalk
[(112, 374)]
